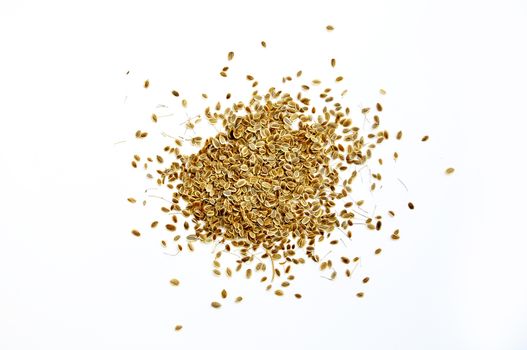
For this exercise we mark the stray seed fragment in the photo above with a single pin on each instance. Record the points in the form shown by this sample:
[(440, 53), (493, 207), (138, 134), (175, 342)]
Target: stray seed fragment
[(174, 282)]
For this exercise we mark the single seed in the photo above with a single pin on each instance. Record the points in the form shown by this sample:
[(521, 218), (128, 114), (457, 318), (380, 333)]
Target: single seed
[(298, 296), (330, 28), (378, 251), (411, 205), (449, 171), (147, 84), (230, 56), (238, 299), (425, 138), (175, 93), (178, 327), (131, 200), (333, 62), (365, 280), (279, 292), (174, 282), (136, 233), (360, 294), (215, 305), (224, 293)]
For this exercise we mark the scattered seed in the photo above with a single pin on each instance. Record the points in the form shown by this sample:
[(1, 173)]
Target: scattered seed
[(411, 205), (330, 28), (136, 233), (449, 171), (215, 305), (230, 56), (178, 327)]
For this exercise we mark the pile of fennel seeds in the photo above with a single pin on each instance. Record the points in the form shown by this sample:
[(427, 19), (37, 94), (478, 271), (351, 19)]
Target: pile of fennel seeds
[(273, 185)]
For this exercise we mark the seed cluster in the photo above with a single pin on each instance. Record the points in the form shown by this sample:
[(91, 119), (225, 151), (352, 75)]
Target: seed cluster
[(268, 185)]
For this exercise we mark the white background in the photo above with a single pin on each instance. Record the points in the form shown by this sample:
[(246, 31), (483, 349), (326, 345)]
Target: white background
[(72, 276)]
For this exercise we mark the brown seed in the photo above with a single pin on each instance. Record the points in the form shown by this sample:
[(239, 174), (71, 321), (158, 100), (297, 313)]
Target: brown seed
[(279, 292), (425, 138), (131, 200), (449, 171), (330, 28), (215, 305), (174, 282), (339, 78), (333, 62), (178, 327), (365, 280), (175, 93), (378, 251), (298, 296), (238, 299), (224, 293), (147, 84), (154, 118), (399, 135), (170, 227), (136, 233), (154, 224), (345, 260), (230, 56), (264, 44), (411, 205), (360, 294), (379, 107)]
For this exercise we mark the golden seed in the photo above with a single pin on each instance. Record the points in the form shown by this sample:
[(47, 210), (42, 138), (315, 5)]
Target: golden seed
[(224, 293), (360, 295), (333, 62), (264, 44), (449, 171), (147, 84), (425, 138), (330, 28), (378, 251), (238, 299), (131, 200), (230, 56), (279, 292), (178, 327), (174, 282), (170, 227), (136, 233), (215, 305)]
